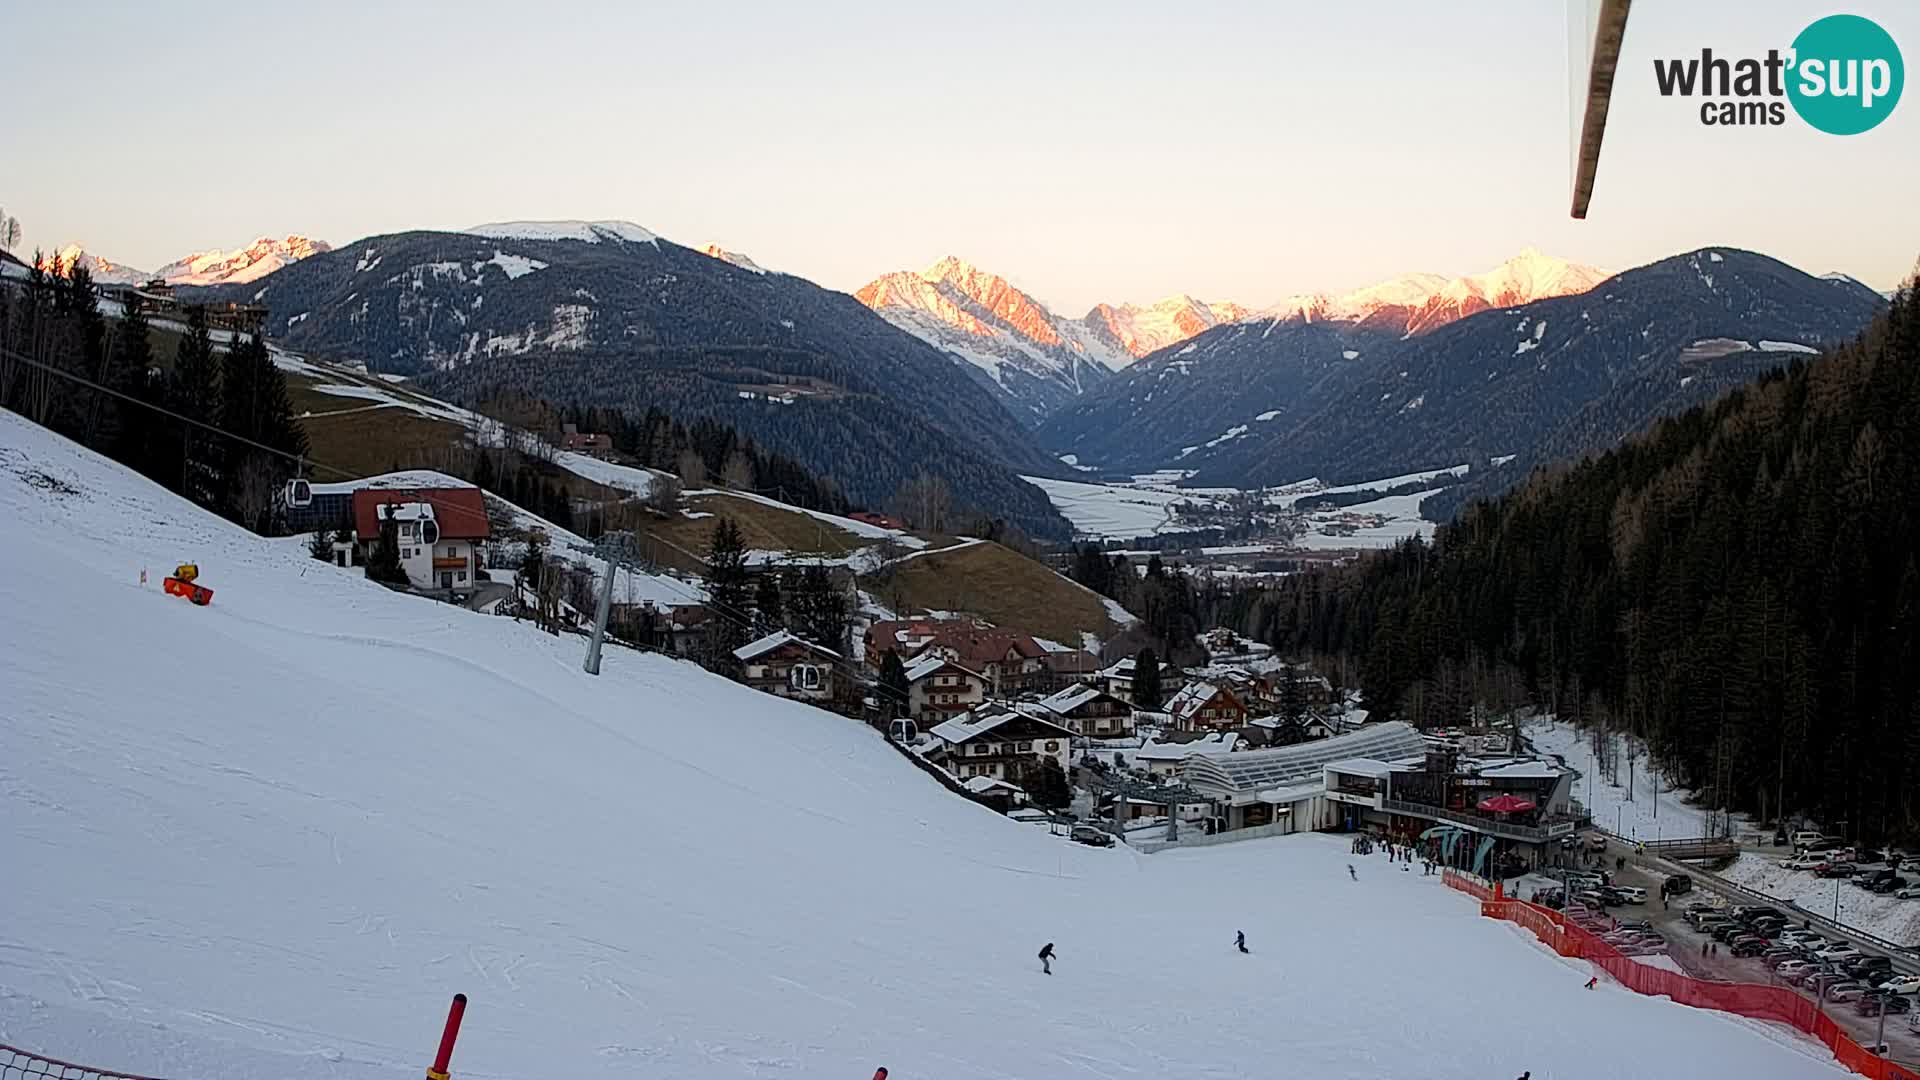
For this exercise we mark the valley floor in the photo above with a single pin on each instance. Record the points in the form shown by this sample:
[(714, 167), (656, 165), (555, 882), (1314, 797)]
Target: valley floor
[(272, 836)]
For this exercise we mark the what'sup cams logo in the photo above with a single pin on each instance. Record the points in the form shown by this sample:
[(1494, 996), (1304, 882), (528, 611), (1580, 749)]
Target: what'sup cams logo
[(1843, 75)]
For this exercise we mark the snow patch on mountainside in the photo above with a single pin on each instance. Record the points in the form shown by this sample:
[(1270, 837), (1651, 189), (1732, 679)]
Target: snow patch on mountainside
[(591, 232)]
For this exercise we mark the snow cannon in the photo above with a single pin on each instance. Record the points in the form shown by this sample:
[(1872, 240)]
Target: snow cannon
[(184, 582)]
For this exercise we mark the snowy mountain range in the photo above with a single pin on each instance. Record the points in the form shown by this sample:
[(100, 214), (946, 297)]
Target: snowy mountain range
[(610, 313), (1413, 303), (1037, 359), (236, 267), (1271, 400)]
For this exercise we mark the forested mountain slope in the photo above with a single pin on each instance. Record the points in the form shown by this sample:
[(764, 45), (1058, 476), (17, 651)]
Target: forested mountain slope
[(1739, 585)]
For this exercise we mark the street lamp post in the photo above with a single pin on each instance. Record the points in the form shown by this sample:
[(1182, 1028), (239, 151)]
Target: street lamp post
[(1836, 899)]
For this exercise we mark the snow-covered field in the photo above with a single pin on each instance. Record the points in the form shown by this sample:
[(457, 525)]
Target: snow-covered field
[(272, 836), (1111, 511), (1884, 917), (1634, 818), (1145, 508)]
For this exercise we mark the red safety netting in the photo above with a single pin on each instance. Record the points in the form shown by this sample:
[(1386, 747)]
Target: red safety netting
[(1779, 1004), (21, 1065), (1471, 884)]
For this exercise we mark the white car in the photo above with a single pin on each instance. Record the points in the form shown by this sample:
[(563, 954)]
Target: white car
[(1839, 953), (1801, 937), (1902, 984), (1911, 892), (1801, 862), (1633, 894)]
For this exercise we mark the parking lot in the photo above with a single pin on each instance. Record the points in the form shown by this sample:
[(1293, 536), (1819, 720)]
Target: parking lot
[(1704, 957)]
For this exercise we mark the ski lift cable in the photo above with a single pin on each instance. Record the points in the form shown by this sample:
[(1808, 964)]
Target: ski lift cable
[(739, 619)]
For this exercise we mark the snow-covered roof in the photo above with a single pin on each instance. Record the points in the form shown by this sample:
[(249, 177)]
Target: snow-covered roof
[(933, 662), (1191, 698), (1212, 745), (1360, 766), (980, 785), (774, 641), (980, 721), (1524, 770), (1072, 697)]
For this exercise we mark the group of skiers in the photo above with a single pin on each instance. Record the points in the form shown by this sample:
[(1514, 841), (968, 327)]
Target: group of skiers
[(1047, 954)]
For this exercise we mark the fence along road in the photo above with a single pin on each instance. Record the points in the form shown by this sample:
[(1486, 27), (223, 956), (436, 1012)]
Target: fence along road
[(1905, 959)]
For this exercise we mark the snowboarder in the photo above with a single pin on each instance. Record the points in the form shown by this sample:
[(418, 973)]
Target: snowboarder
[(1591, 981), (1351, 874), (1528, 1075), (1046, 958), (1240, 940)]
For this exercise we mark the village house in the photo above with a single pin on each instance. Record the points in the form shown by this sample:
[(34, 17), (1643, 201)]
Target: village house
[(437, 530), (1205, 706), (786, 666), (1066, 667), (939, 689), (1012, 662), (592, 445), (1091, 712), (999, 742)]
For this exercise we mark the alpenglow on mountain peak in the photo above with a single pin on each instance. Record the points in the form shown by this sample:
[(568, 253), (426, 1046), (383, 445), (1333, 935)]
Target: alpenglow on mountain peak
[(1037, 358), (1416, 302)]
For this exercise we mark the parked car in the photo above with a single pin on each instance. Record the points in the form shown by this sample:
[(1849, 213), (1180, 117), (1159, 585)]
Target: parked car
[(1839, 954), (1596, 842), (1827, 980), (1677, 885), (1806, 838), (1635, 924), (1799, 936), (1801, 862), (1727, 931), (1091, 836), (1868, 965), (1887, 885), (1902, 984), (1798, 976), (1910, 865), (1845, 991), (1892, 1003), (1749, 947), (1632, 894)]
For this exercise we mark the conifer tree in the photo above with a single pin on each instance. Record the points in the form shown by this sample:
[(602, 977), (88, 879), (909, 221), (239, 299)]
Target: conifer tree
[(728, 595), (196, 395), (894, 687), (1147, 691)]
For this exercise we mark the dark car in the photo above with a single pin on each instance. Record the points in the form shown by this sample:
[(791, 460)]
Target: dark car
[(1869, 965), (1749, 947), (1677, 885), (1871, 1005), (1888, 884), (1728, 931), (1836, 869)]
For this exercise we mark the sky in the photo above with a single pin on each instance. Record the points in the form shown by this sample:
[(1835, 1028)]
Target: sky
[(1089, 152)]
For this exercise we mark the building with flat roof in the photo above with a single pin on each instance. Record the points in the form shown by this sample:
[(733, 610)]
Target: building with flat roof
[(1288, 784)]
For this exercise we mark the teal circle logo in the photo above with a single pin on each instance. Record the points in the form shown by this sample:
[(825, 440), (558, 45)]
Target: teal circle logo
[(1846, 76)]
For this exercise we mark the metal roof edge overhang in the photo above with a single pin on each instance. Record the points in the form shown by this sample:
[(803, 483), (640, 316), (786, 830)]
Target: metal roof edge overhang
[(1609, 33)]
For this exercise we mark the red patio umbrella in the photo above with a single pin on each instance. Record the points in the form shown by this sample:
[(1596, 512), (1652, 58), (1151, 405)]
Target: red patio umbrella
[(1506, 804)]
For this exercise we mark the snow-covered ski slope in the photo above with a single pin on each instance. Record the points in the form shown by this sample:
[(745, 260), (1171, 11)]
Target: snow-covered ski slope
[(271, 837)]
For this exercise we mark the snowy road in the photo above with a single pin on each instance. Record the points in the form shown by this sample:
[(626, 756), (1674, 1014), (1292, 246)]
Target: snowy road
[(271, 837)]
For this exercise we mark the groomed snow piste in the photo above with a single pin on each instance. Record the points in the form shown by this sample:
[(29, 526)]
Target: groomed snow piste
[(271, 837)]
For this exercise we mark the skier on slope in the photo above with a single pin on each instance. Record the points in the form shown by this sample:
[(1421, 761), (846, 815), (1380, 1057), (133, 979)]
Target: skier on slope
[(1046, 958), (1240, 940), (1351, 874)]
